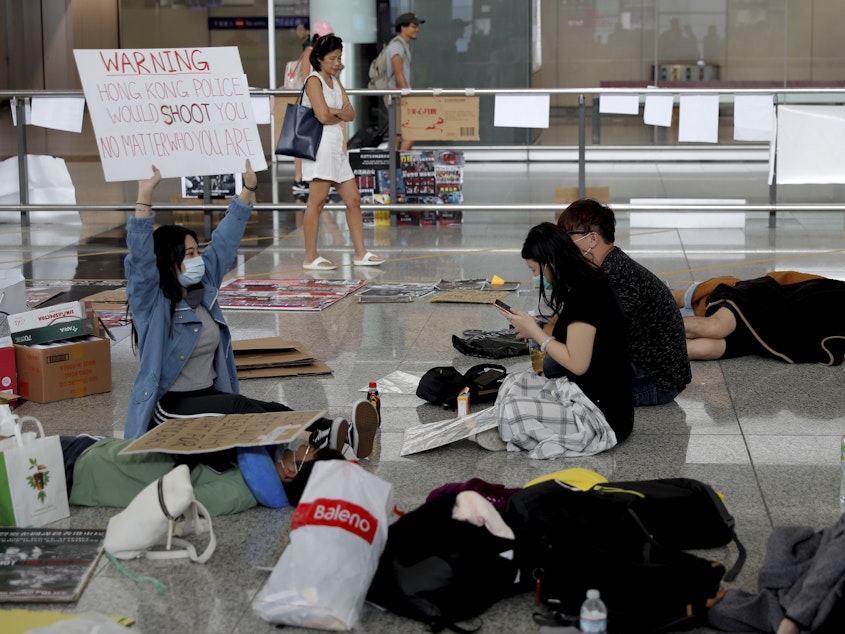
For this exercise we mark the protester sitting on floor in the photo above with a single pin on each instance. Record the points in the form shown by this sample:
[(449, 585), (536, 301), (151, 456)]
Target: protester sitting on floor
[(187, 366), (658, 344), (98, 474), (801, 586), (783, 315), (581, 405)]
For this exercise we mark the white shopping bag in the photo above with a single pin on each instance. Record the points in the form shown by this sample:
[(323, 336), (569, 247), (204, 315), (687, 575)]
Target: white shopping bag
[(33, 490), (337, 534)]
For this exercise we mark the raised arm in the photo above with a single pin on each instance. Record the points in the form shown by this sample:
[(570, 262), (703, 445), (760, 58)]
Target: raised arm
[(144, 201)]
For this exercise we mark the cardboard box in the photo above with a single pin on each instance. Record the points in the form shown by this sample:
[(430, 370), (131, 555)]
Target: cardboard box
[(39, 317), (567, 195), (53, 372), (439, 118), (54, 332)]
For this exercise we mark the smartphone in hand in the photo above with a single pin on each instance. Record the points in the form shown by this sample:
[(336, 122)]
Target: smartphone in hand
[(503, 305)]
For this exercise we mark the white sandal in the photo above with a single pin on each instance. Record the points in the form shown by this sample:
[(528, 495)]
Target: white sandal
[(369, 259), (319, 264)]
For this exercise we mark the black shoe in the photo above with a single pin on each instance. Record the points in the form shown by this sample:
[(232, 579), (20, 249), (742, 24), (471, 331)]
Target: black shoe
[(300, 187), (362, 431)]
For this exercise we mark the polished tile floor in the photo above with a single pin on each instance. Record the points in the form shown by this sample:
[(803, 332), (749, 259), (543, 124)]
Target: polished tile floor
[(764, 433)]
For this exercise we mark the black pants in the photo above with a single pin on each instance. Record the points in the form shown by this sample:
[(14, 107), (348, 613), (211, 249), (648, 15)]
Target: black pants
[(212, 401), (72, 448)]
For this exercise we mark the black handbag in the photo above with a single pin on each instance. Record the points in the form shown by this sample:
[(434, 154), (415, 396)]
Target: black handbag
[(301, 131)]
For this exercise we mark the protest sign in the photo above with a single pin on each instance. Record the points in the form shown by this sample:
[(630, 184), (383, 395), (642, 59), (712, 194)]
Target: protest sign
[(186, 111), (215, 433)]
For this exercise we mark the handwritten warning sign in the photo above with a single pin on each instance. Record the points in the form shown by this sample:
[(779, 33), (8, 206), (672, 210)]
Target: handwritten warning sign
[(214, 433), (187, 111)]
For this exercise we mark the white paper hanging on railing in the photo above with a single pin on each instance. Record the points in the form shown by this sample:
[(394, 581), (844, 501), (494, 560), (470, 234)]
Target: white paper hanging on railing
[(261, 109), (619, 104), (49, 181), (27, 112), (810, 144), (754, 118), (521, 111), (58, 113), (658, 110), (699, 119)]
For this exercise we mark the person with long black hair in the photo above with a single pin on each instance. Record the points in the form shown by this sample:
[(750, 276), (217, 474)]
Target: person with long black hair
[(187, 365), (581, 404), (327, 97)]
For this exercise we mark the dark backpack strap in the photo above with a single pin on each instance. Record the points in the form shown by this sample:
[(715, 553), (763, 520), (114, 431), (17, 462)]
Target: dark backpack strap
[(731, 574)]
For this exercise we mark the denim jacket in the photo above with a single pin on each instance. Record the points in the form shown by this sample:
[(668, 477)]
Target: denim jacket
[(164, 350)]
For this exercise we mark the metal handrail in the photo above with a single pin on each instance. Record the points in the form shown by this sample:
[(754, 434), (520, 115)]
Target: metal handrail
[(679, 207), (772, 208)]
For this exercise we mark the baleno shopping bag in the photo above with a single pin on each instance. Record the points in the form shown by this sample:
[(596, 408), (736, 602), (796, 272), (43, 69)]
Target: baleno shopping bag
[(33, 490), (337, 534)]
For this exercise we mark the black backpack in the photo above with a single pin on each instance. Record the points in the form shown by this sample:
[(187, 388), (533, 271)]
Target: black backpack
[(498, 344), (441, 385), (569, 541), (442, 571)]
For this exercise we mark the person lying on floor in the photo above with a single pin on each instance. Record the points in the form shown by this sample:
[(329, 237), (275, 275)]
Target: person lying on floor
[(658, 344), (224, 482), (783, 315), (801, 586), (581, 405)]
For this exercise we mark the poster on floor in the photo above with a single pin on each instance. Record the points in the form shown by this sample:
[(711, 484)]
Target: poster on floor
[(47, 565), (186, 111)]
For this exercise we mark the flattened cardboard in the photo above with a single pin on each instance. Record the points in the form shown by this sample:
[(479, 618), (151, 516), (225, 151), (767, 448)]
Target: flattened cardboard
[(54, 372), (274, 357), (470, 297), (439, 118), (262, 345), (214, 433), (315, 368)]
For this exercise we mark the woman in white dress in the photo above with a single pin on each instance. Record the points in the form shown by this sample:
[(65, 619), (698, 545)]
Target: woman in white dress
[(324, 93)]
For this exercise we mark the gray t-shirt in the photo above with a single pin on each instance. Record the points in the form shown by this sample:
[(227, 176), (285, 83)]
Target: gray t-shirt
[(398, 46), (198, 372)]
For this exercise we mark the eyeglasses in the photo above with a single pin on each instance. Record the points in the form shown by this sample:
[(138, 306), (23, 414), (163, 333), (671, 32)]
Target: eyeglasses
[(577, 233), (298, 465)]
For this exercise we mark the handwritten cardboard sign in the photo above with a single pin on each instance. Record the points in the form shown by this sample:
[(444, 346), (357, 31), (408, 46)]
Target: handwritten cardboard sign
[(186, 111), (213, 433)]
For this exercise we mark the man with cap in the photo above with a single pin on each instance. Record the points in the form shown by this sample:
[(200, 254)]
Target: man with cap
[(399, 57)]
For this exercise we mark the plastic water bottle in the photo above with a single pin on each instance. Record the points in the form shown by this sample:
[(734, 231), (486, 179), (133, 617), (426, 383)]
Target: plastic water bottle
[(842, 479), (593, 614), (374, 398)]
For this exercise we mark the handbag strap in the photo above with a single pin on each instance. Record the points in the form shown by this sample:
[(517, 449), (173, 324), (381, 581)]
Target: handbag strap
[(302, 91), (187, 549), (18, 423)]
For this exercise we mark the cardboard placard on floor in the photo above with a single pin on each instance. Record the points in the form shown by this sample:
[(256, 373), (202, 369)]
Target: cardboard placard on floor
[(470, 297), (273, 356), (214, 433)]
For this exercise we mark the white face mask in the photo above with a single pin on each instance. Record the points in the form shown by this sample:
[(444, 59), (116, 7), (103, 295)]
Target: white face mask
[(194, 270), (587, 252)]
